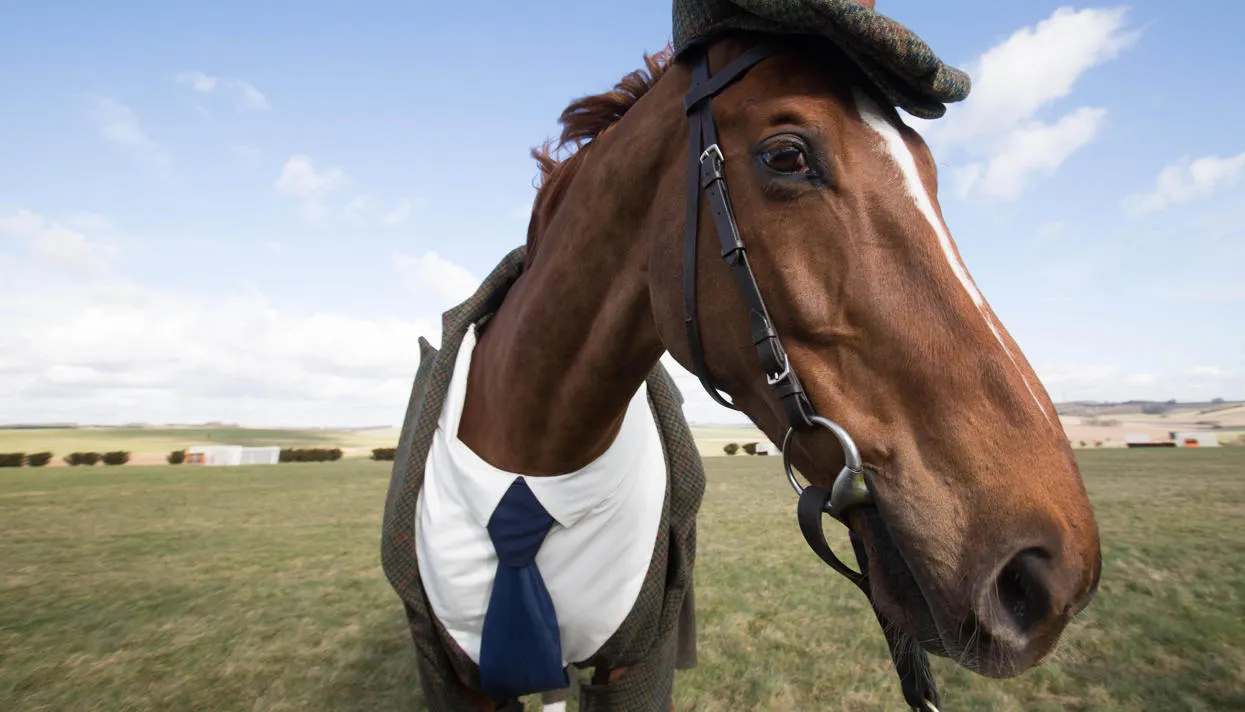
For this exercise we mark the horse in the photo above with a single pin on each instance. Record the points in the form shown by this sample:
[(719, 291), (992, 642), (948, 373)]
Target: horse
[(969, 511)]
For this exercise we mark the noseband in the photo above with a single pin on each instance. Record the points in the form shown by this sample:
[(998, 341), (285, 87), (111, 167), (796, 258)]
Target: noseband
[(706, 171)]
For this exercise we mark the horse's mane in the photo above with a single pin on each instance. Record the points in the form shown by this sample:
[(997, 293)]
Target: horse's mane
[(582, 121)]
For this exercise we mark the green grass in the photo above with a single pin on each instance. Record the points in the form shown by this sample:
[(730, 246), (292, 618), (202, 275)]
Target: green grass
[(260, 589)]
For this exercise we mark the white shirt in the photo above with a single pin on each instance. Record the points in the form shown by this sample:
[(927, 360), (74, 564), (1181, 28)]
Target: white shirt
[(594, 558)]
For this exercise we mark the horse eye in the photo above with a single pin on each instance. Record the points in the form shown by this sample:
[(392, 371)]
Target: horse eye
[(787, 159)]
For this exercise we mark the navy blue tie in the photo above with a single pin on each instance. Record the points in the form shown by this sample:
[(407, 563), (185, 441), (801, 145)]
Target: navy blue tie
[(520, 648)]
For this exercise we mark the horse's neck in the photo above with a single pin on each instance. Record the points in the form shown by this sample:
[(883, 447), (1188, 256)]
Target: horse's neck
[(555, 369)]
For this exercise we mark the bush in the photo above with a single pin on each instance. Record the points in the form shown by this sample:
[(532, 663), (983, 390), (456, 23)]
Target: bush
[(731, 448), (12, 459), (116, 457), (750, 448), (384, 453), (1103, 422), (176, 457), (310, 455), (82, 458), (38, 459)]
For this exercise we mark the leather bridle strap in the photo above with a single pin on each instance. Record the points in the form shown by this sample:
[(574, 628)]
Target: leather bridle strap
[(700, 74), (706, 172), (910, 660)]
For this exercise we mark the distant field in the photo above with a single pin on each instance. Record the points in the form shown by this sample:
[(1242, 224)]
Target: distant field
[(710, 439), (158, 442), (149, 445), (1111, 429), (158, 588)]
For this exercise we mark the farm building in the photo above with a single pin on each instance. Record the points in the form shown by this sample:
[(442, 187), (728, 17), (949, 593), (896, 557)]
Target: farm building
[(1195, 438), (224, 455)]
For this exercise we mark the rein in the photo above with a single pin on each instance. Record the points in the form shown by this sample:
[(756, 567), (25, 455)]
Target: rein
[(706, 171)]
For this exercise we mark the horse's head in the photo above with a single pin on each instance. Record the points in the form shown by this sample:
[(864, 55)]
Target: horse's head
[(987, 545)]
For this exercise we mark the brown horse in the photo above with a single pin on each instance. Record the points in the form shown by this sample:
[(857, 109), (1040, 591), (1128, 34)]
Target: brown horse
[(988, 545)]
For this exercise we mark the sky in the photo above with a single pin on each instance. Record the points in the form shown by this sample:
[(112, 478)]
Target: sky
[(251, 212)]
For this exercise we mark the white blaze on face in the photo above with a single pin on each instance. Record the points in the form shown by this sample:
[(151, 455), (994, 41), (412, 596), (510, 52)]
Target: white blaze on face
[(897, 149)]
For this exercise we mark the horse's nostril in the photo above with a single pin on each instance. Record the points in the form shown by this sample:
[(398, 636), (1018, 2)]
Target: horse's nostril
[(1022, 608), (1022, 590)]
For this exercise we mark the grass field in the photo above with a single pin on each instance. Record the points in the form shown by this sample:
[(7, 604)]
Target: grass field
[(260, 589)]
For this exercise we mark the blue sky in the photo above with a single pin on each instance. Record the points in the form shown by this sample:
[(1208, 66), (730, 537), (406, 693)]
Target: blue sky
[(224, 211)]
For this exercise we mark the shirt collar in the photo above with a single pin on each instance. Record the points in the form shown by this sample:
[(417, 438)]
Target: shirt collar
[(567, 498)]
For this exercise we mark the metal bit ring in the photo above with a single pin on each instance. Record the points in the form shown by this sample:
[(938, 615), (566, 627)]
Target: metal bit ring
[(849, 486)]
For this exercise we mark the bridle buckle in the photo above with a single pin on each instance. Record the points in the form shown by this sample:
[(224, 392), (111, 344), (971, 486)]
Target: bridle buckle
[(712, 150), (783, 374)]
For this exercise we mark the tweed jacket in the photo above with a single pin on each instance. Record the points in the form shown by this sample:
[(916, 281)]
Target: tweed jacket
[(659, 632)]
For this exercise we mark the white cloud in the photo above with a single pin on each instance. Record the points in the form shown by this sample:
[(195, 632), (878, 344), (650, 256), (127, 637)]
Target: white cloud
[(364, 209), (88, 221), (201, 82), (358, 206), (1035, 149), (1183, 181), (1067, 382), (698, 406), (119, 354), (115, 352), (57, 245), (251, 96), (1206, 293), (1209, 372), (399, 214), (964, 179), (302, 180), (312, 211), (1013, 82), (118, 124), (245, 95), (436, 277)]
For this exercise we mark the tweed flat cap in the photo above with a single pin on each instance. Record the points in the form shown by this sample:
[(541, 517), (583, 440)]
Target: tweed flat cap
[(904, 68)]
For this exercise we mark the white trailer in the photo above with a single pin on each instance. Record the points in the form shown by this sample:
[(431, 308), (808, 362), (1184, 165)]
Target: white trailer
[(232, 455), (1195, 438)]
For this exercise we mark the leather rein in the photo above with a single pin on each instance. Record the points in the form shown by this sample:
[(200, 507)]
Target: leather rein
[(706, 172)]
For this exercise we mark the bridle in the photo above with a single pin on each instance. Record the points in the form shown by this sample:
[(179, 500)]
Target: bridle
[(706, 171)]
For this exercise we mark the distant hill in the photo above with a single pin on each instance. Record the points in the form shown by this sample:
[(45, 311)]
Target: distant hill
[(1139, 407)]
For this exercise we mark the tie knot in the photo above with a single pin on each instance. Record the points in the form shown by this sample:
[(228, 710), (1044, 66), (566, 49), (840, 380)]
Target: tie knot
[(518, 525)]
